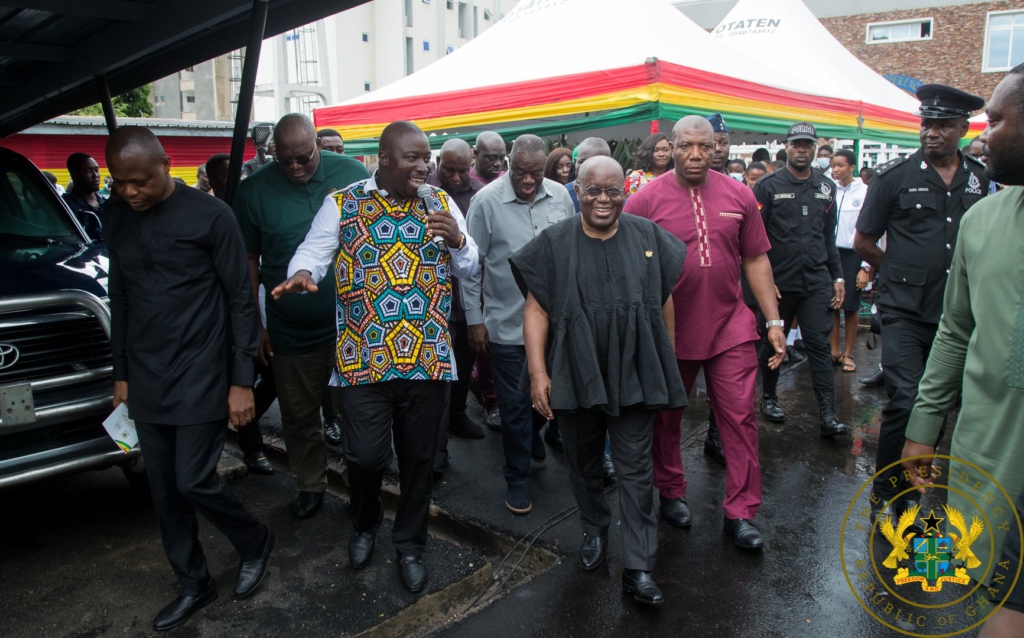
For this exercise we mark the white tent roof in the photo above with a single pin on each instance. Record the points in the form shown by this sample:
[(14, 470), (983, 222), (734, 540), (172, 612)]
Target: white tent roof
[(592, 35), (785, 33)]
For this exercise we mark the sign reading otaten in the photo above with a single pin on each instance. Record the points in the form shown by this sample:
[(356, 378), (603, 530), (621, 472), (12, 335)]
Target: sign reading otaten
[(754, 26)]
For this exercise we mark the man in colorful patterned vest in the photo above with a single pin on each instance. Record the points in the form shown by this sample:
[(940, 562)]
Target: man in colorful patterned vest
[(394, 264)]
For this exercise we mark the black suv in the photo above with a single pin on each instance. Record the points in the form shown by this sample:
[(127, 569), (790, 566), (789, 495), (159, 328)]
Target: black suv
[(55, 362)]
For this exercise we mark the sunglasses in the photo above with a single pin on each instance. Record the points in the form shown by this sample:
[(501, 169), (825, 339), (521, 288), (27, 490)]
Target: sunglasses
[(594, 192), (301, 160)]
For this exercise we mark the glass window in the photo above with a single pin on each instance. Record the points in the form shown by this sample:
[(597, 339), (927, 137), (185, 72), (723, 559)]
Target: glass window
[(880, 32), (366, 86), (426, 45), (30, 214), (366, 37), (1004, 41)]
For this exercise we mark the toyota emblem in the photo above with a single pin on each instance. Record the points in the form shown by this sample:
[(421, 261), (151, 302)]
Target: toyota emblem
[(8, 355)]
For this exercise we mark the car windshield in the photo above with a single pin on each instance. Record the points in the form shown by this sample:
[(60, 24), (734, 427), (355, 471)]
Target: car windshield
[(29, 210)]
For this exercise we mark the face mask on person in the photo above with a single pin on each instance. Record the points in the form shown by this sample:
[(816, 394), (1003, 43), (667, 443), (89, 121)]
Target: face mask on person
[(736, 176), (824, 163)]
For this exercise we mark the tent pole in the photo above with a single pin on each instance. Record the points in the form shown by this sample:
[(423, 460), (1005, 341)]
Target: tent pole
[(108, 105), (856, 151), (257, 25)]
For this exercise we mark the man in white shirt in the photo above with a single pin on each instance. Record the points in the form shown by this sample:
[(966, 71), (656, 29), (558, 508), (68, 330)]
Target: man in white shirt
[(850, 194)]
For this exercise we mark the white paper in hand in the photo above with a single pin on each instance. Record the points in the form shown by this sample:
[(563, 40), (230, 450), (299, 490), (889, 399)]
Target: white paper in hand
[(122, 429)]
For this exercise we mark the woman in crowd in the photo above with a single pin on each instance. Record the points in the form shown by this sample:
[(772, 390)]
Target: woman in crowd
[(653, 158), (559, 166)]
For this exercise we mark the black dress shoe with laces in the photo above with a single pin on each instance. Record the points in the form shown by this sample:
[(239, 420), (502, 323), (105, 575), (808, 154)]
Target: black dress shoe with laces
[(795, 355), (771, 410), (608, 469), (252, 572), (592, 552), (181, 608), (360, 546), (873, 380), (258, 464), (307, 503), (412, 572), (743, 533), (642, 586), (332, 431), (675, 512)]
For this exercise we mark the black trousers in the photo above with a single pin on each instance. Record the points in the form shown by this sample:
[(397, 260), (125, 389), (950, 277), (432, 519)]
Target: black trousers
[(455, 407), (181, 462), (410, 411), (906, 345), (631, 434), (815, 315)]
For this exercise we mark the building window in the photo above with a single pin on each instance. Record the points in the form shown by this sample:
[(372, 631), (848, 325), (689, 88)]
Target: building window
[(1004, 41), (450, 49), (366, 37), (487, 14), (450, 4), (409, 61), (408, 13), (463, 21), (191, 99), (426, 45), (366, 86), (902, 31)]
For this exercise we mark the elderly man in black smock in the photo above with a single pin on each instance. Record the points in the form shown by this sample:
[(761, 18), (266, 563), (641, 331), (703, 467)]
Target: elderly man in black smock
[(184, 336), (599, 330)]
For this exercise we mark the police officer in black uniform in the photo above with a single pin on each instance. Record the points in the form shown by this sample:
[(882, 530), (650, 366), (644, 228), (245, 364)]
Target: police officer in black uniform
[(799, 210), (917, 202)]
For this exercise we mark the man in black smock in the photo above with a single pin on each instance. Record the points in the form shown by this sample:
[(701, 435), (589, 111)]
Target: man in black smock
[(603, 329), (799, 210), (184, 335), (917, 202)]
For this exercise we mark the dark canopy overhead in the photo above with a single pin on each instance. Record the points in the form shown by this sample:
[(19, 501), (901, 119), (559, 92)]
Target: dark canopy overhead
[(52, 50)]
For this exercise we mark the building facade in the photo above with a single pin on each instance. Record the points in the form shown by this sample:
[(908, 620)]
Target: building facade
[(331, 60), (963, 43)]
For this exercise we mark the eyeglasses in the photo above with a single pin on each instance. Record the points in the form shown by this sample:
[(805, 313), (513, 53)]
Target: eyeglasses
[(301, 160), (612, 191)]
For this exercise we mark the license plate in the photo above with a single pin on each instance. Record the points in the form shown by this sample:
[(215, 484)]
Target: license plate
[(17, 406)]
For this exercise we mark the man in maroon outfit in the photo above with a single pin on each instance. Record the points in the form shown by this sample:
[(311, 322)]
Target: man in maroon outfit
[(718, 219)]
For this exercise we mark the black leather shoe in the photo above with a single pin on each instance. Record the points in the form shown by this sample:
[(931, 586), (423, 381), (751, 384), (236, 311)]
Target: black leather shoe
[(592, 552), (182, 607), (465, 427), (539, 452), (743, 533), (795, 356), (713, 443), (830, 424), (332, 431), (771, 410), (494, 420), (642, 586), (553, 437), (874, 380), (307, 503), (440, 463), (360, 546), (675, 512), (608, 469), (258, 464), (412, 572), (252, 572)]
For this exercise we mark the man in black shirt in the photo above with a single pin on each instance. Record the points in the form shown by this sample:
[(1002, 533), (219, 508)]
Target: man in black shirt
[(184, 333), (799, 211), (917, 202), (84, 199)]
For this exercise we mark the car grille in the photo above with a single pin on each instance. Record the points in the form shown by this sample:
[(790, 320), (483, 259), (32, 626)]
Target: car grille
[(52, 345)]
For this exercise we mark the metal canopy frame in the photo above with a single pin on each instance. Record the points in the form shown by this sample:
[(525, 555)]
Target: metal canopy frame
[(58, 55)]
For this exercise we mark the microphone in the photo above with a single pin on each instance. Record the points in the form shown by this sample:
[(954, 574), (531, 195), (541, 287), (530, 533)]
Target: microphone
[(425, 193)]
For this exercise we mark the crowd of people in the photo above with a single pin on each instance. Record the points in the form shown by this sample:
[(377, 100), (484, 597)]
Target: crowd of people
[(578, 301)]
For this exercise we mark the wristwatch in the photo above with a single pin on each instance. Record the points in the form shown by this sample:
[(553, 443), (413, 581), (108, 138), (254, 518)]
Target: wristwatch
[(462, 242), (839, 281), (775, 323)]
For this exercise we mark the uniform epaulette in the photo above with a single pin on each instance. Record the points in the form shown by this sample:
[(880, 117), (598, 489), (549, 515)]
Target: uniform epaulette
[(881, 169), (974, 159)]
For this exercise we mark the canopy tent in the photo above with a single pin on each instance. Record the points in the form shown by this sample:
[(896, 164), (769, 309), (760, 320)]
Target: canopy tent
[(605, 64), (786, 34)]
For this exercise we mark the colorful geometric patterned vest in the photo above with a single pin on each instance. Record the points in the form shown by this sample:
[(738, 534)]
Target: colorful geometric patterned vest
[(394, 290)]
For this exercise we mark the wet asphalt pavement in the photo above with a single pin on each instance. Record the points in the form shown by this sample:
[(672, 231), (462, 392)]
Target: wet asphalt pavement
[(85, 558)]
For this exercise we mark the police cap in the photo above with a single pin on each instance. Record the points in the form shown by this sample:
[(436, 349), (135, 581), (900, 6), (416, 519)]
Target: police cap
[(943, 102), (802, 131), (717, 123)]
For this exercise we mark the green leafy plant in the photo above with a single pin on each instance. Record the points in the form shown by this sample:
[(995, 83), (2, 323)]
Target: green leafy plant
[(134, 103)]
